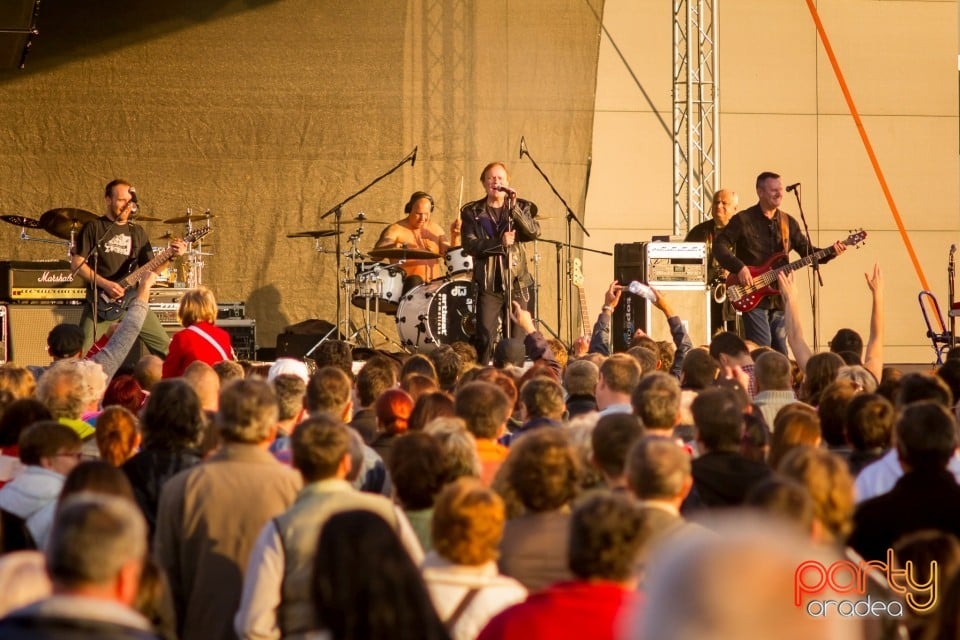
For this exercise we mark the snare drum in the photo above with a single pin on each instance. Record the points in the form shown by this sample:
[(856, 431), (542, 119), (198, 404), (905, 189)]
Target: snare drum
[(458, 261), (439, 312), (379, 285)]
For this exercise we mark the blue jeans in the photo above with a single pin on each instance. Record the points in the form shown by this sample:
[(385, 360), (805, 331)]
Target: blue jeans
[(767, 328)]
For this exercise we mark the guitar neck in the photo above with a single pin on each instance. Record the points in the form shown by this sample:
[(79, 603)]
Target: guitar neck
[(134, 277), (584, 315), (770, 277)]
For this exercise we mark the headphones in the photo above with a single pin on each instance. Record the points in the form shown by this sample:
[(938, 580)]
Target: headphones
[(418, 195)]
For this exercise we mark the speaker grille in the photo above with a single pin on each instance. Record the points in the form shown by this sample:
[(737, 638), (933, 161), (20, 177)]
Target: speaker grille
[(28, 326)]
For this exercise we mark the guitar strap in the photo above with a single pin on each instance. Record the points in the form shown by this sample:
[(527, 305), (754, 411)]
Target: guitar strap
[(784, 232)]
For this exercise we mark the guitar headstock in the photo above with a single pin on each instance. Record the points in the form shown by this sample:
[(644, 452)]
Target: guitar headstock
[(577, 275), (855, 238), (196, 234)]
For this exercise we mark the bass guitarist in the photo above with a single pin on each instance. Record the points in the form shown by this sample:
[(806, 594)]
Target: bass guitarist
[(756, 235), (121, 247)]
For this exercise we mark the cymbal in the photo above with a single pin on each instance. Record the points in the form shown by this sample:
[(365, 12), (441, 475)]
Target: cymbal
[(60, 222), (365, 220), (190, 218), (146, 219), (319, 233), (22, 221), (401, 253)]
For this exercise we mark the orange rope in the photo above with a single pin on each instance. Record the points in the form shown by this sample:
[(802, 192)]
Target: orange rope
[(866, 143)]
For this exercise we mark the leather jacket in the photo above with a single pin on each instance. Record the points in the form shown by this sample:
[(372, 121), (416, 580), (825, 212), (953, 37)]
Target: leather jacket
[(480, 236)]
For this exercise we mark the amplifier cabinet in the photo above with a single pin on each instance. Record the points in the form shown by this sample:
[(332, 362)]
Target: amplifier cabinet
[(26, 327), (243, 335)]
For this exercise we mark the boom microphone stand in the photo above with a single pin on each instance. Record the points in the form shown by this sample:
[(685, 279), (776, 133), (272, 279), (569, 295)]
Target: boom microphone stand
[(571, 218), (338, 210), (818, 282)]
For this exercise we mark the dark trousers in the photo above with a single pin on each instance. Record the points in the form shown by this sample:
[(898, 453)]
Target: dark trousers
[(492, 314)]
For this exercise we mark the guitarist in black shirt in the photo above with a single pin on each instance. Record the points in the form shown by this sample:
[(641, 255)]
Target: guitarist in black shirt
[(758, 234), (122, 246)]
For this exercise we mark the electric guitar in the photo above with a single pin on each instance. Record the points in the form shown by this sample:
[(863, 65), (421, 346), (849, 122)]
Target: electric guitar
[(577, 279), (746, 298), (111, 309)]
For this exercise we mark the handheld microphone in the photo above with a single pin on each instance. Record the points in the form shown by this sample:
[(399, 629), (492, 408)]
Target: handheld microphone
[(793, 187), (506, 190)]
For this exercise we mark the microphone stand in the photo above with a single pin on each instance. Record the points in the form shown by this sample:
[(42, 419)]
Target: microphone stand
[(571, 218), (559, 247), (508, 277), (338, 210), (951, 292), (814, 263)]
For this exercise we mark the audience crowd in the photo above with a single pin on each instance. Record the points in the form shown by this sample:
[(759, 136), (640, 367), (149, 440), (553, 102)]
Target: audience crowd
[(671, 491)]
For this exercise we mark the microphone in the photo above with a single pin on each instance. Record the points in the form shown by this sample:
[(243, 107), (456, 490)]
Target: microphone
[(413, 156), (953, 249), (507, 190), (133, 200), (793, 187), (523, 147)]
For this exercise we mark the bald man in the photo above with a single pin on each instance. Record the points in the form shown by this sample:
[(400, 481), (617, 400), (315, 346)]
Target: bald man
[(725, 205)]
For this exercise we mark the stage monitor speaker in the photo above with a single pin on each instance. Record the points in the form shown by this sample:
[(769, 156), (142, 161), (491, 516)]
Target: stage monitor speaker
[(691, 303), (28, 326), (628, 265)]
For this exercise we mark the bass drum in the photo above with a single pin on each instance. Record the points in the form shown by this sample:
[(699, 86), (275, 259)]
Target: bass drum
[(439, 312)]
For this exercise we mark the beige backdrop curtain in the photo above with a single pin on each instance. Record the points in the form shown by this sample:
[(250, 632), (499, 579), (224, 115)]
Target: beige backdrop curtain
[(268, 113)]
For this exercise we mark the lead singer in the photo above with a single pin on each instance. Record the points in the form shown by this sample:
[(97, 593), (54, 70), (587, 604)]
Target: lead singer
[(494, 228)]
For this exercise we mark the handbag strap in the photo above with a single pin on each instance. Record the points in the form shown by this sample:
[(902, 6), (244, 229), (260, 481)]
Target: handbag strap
[(206, 336)]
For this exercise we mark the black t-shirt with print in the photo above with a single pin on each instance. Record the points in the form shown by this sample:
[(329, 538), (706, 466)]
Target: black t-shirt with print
[(122, 248)]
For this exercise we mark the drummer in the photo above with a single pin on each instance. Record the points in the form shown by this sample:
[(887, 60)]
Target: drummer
[(416, 231)]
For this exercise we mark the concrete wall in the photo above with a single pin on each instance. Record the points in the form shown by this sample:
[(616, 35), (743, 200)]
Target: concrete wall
[(782, 110)]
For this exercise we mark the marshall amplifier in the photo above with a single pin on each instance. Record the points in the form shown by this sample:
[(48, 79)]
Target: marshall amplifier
[(40, 282)]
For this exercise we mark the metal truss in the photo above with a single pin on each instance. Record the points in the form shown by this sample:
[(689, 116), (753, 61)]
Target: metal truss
[(696, 110)]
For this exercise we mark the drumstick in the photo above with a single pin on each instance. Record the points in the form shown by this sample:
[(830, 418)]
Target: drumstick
[(460, 203)]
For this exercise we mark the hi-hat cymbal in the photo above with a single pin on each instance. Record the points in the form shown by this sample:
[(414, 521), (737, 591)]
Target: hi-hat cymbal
[(60, 222), (362, 219), (22, 221), (402, 253), (190, 218), (146, 219), (319, 233)]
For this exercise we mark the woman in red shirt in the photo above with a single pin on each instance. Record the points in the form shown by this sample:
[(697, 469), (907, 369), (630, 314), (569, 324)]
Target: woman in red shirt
[(200, 339)]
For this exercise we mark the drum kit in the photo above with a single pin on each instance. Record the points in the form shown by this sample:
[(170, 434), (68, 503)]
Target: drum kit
[(65, 224), (438, 312)]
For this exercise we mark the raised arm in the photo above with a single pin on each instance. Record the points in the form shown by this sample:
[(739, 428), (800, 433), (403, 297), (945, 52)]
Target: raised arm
[(681, 339), (873, 358), (113, 353), (791, 313), (600, 337)]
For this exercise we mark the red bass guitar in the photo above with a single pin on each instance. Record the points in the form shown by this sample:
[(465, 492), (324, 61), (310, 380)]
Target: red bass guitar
[(746, 298)]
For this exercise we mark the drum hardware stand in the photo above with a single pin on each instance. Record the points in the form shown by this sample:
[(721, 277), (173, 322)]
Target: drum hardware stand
[(69, 244), (343, 314), (337, 212), (571, 218)]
